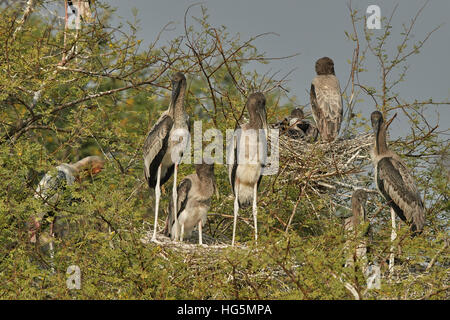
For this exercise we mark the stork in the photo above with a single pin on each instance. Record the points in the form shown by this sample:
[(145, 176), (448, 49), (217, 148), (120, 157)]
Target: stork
[(50, 189), (297, 127), (194, 199), (353, 225), (80, 10), (301, 128), (84, 8), (244, 170), (395, 183), (359, 229), (162, 152), (326, 100)]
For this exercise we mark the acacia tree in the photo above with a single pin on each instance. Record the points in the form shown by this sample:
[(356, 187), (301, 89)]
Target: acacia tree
[(99, 92)]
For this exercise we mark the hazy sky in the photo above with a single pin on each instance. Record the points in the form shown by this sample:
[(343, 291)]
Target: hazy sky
[(316, 29)]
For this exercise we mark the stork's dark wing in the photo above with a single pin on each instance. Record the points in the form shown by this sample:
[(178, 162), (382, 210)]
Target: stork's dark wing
[(183, 193), (326, 105), (155, 146), (182, 198), (398, 187), (314, 104)]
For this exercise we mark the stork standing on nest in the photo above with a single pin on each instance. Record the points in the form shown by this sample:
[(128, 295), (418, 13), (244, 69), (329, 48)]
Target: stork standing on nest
[(194, 199), (326, 100), (162, 148), (245, 167), (395, 183)]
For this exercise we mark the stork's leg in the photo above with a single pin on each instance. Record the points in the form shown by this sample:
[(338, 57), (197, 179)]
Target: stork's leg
[(365, 260), (236, 210), (200, 231), (255, 212), (51, 249), (362, 254), (349, 262), (158, 195), (175, 197), (393, 237), (111, 244), (373, 276), (182, 233)]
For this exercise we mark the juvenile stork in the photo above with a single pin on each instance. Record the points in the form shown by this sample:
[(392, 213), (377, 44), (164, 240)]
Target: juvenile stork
[(359, 230), (301, 128), (84, 8), (297, 127), (194, 199), (162, 152), (326, 100), (395, 183), (353, 226), (244, 170)]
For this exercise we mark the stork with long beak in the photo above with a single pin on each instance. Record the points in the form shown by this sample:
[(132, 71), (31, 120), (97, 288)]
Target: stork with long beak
[(162, 147), (245, 167), (395, 183)]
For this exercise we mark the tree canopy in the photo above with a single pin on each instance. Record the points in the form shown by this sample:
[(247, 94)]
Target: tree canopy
[(66, 94)]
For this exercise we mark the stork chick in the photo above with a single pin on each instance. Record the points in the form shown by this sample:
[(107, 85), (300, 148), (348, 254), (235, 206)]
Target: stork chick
[(194, 200)]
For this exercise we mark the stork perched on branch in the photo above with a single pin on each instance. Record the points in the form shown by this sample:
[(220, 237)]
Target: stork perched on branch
[(395, 182), (358, 228), (162, 148), (194, 199), (50, 190), (326, 100), (353, 225), (244, 170)]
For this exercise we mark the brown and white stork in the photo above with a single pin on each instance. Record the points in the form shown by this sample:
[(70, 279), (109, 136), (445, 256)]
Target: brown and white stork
[(326, 100), (163, 149), (246, 164), (395, 183)]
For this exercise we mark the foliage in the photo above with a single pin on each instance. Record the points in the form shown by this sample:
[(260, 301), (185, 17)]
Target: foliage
[(99, 92)]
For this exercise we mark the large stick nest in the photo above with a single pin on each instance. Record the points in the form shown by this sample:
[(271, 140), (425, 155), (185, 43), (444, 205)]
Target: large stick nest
[(334, 168)]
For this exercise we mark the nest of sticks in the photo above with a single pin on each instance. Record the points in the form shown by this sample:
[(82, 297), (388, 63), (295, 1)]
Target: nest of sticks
[(336, 168)]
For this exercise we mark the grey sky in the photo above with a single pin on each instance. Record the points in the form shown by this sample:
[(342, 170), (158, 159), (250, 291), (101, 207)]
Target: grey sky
[(316, 29)]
